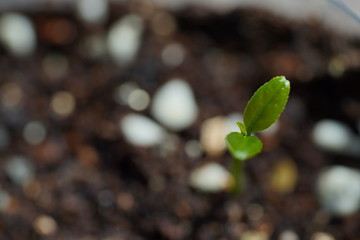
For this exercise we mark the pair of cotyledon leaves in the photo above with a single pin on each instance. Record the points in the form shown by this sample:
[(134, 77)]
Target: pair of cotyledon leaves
[(262, 110)]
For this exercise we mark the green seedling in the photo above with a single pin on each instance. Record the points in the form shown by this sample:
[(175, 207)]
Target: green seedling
[(262, 110)]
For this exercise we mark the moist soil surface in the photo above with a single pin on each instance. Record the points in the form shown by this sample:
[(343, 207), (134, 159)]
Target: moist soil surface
[(95, 185)]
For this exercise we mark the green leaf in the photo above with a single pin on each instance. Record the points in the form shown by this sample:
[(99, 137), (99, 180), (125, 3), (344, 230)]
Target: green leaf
[(243, 147), (242, 127), (266, 105)]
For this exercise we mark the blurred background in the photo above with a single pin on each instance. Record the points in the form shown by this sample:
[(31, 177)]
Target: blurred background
[(113, 115)]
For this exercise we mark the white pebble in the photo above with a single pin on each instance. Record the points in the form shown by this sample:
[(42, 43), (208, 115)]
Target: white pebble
[(19, 169), (338, 190), (212, 135), (123, 91), (34, 132), (45, 225), (17, 34), (211, 177), (62, 103), (139, 100), (254, 235), (92, 11), (130, 94), (288, 235), (174, 105), (332, 135), (322, 236), (124, 38), (141, 131)]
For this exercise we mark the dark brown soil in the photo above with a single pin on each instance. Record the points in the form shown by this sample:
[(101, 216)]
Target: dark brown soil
[(96, 186)]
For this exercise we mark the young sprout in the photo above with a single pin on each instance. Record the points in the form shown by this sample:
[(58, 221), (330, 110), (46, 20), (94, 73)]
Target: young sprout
[(262, 110)]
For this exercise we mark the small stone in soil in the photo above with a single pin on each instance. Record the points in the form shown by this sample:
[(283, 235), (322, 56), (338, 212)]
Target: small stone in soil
[(211, 177), (288, 235), (17, 34), (124, 38), (12, 95), (163, 24), (141, 131), (173, 55), (63, 104), (92, 11), (283, 176), (254, 235), (212, 134), (322, 236), (174, 105), (139, 100), (34, 132), (19, 169), (45, 225), (338, 190), (123, 91), (336, 137), (125, 201)]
